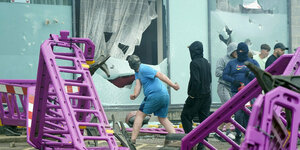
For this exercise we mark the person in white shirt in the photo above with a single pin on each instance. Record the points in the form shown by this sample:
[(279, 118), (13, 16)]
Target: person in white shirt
[(263, 56)]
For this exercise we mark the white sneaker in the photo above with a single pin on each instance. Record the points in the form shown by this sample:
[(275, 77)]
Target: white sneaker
[(231, 136)]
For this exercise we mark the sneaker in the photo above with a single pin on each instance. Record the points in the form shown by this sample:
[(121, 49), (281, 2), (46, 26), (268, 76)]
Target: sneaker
[(201, 147), (238, 140), (231, 136)]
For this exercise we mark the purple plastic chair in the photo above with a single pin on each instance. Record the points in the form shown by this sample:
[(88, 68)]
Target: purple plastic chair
[(60, 116)]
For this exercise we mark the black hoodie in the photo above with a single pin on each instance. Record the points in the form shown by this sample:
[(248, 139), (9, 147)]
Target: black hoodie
[(200, 72)]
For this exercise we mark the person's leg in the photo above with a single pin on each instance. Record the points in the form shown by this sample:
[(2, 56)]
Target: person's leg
[(187, 115), (224, 95), (162, 112), (204, 107), (245, 120), (137, 125), (238, 117), (227, 96), (167, 124)]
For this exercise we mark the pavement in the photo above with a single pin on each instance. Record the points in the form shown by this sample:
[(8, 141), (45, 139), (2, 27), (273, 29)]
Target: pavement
[(7, 139), (144, 142)]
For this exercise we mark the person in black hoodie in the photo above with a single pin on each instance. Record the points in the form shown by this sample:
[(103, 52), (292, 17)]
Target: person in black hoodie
[(199, 89)]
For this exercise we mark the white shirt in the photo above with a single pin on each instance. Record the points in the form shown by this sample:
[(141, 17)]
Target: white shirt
[(261, 62)]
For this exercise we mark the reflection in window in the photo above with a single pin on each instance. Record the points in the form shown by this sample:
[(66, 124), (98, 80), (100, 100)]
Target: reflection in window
[(254, 22), (252, 6)]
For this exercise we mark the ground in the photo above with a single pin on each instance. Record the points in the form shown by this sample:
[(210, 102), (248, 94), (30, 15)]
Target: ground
[(144, 142)]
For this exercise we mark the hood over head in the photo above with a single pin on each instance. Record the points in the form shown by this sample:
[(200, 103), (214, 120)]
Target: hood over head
[(196, 49), (231, 48), (242, 56)]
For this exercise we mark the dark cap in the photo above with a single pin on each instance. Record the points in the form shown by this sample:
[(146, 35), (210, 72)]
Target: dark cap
[(281, 46)]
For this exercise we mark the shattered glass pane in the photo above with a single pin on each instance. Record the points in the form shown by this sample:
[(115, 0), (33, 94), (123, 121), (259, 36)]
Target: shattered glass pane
[(255, 22)]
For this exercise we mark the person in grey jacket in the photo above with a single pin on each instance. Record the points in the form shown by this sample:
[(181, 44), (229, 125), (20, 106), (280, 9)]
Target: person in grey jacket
[(224, 86)]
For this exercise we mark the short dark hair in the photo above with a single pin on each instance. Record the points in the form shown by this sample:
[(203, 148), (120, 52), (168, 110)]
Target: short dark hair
[(265, 46), (134, 62)]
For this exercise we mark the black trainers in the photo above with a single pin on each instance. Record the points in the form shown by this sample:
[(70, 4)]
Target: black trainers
[(201, 147), (238, 139)]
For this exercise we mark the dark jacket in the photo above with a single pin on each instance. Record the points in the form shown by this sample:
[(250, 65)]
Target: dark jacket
[(236, 70), (200, 72), (270, 60)]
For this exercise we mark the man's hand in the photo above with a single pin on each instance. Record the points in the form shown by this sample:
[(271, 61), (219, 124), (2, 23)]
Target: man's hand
[(132, 97), (176, 86)]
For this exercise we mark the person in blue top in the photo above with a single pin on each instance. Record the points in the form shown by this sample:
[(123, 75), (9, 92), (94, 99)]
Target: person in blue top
[(156, 95), (237, 73)]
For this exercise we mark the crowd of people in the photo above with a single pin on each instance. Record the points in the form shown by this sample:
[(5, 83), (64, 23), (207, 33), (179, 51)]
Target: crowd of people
[(232, 76)]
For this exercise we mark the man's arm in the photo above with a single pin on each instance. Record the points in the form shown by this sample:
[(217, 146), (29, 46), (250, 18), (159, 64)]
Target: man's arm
[(226, 74), (220, 67), (165, 79), (195, 82), (137, 90)]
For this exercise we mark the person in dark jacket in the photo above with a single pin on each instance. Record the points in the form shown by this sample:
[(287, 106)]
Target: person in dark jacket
[(279, 49), (199, 89), (237, 73)]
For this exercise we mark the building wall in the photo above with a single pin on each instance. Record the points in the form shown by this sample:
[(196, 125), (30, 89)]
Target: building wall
[(295, 23)]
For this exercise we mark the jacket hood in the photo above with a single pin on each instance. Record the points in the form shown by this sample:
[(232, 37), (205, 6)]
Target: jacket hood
[(231, 48), (196, 50), (242, 56)]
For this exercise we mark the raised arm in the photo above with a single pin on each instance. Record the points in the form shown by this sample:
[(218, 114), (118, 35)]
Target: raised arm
[(165, 79), (137, 90)]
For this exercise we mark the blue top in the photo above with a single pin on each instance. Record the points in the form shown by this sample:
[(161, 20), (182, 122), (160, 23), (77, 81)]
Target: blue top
[(151, 84), (236, 70)]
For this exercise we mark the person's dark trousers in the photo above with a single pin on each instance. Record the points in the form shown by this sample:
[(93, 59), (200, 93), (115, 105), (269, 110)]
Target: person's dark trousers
[(195, 106), (242, 118)]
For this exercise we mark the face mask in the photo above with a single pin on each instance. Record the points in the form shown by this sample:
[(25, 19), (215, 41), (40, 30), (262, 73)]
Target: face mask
[(242, 55), (242, 52)]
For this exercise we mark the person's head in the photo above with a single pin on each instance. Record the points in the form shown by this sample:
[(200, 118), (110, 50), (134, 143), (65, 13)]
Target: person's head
[(196, 49), (134, 62), (264, 50), (248, 42), (242, 51), (279, 49), (231, 50)]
